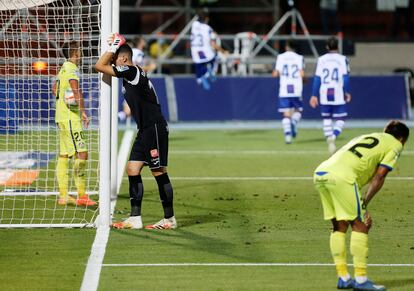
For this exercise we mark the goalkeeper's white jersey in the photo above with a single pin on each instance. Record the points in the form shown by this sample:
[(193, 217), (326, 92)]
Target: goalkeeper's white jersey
[(331, 68), (289, 65), (201, 37)]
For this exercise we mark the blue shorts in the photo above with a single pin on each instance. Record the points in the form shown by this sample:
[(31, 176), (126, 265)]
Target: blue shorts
[(334, 111), (202, 68), (289, 103)]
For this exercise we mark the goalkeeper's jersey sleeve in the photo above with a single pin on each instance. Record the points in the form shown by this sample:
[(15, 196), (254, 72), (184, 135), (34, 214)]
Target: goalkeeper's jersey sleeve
[(64, 111), (358, 160)]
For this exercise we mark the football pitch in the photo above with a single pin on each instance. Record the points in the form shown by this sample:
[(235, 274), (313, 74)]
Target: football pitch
[(249, 219)]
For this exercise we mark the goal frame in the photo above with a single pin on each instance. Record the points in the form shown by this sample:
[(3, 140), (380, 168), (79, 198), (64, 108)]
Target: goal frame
[(108, 125)]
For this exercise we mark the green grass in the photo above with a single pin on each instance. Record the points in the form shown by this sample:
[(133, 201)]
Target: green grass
[(225, 221), (43, 209)]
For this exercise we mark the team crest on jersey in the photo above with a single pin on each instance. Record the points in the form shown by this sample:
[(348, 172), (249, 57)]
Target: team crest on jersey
[(121, 68)]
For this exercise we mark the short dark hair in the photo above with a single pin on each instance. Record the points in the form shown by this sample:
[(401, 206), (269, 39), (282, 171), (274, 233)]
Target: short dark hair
[(125, 49), (292, 44), (202, 14), (69, 48), (397, 129), (332, 43)]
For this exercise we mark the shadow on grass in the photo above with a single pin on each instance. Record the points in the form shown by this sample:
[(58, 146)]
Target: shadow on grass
[(189, 241), (398, 283), (184, 205)]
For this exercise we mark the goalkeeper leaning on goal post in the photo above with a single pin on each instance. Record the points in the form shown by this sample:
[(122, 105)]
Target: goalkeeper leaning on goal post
[(151, 144), (70, 114)]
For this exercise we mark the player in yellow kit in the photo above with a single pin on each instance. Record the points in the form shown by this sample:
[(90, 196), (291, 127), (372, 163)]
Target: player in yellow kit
[(70, 114), (365, 159)]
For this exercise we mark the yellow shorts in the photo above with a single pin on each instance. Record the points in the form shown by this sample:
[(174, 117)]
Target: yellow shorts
[(71, 138), (340, 199)]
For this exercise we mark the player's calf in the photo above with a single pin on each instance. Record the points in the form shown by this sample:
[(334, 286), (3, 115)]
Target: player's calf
[(287, 129), (166, 194), (338, 126)]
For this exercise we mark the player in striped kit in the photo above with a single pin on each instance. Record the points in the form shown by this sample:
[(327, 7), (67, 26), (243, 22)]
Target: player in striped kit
[(290, 68), (331, 86)]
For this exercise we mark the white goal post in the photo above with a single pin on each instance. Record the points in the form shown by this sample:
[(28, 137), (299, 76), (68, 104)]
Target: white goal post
[(32, 33)]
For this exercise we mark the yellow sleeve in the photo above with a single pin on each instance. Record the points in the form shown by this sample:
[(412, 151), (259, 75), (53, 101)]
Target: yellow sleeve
[(390, 159), (72, 73)]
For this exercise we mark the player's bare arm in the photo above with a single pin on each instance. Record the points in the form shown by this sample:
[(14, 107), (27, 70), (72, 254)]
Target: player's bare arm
[(104, 64), (219, 48), (149, 67), (54, 89), (375, 185), (313, 102), (275, 73), (348, 97), (77, 94)]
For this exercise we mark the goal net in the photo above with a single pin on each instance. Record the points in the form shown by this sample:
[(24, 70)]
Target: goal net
[(32, 33)]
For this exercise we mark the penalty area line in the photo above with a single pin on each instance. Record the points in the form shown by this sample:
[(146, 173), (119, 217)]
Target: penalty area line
[(246, 265)]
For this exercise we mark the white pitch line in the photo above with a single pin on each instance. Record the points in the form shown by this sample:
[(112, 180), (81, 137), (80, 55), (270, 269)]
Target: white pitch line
[(259, 152), (246, 152), (90, 280), (247, 265), (259, 178)]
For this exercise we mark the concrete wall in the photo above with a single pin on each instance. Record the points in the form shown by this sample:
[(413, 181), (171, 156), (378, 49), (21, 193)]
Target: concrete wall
[(382, 57)]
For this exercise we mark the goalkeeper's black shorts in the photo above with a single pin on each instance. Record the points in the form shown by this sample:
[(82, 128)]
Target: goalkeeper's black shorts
[(151, 146)]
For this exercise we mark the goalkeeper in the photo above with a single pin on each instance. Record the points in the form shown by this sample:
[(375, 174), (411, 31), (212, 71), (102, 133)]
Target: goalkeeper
[(151, 144), (365, 159), (70, 114)]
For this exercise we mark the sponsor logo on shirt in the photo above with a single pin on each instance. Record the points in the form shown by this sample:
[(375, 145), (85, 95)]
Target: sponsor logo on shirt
[(121, 68)]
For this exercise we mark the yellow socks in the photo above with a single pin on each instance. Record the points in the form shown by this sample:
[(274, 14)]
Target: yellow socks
[(338, 251), (79, 175), (359, 250), (62, 176)]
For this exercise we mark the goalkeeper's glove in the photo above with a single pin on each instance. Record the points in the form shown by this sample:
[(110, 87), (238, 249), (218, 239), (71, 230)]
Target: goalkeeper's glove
[(115, 41)]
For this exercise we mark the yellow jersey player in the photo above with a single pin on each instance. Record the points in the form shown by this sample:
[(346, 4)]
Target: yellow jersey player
[(70, 114), (365, 159)]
